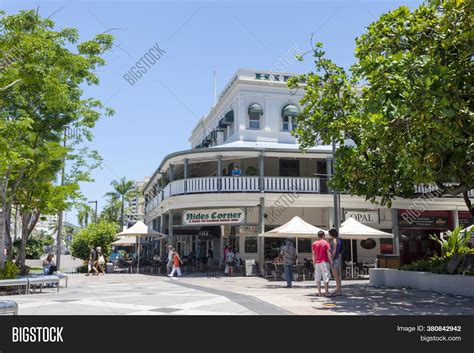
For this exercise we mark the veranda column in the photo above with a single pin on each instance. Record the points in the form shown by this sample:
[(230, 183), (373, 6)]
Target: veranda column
[(261, 226), (219, 173), (396, 239), (455, 218), (261, 171), (170, 227), (186, 171)]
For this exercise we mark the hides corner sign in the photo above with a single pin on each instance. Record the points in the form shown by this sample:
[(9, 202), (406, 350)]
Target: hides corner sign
[(214, 216), (363, 216)]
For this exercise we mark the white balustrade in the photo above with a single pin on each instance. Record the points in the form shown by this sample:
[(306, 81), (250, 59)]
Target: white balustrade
[(239, 183), (235, 184), (285, 184)]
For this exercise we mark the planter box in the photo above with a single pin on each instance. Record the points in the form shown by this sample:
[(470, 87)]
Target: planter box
[(449, 284)]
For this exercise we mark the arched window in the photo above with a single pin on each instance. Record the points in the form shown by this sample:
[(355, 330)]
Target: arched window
[(288, 115), (255, 113)]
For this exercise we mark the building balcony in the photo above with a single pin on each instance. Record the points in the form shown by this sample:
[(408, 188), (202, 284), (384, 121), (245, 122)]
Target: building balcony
[(233, 184)]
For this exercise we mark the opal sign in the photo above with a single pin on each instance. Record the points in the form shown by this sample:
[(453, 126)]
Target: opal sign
[(214, 216)]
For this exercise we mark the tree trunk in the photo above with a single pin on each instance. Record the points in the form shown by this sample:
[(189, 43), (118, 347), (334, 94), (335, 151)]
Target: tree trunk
[(3, 203), (20, 259), (122, 211), (28, 222)]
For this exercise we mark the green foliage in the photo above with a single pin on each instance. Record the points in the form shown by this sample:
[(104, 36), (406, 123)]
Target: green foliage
[(10, 271), (42, 77), (456, 242), (251, 171), (124, 190), (34, 248), (434, 265), (100, 234), (406, 105)]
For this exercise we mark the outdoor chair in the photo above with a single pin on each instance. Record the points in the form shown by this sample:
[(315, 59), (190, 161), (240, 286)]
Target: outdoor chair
[(269, 270), (299, 273)]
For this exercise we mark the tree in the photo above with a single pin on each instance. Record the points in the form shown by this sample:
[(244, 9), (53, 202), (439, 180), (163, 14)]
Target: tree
[(84, 213), (97, 234), (111, 211), (123, 191), (42, 96), (406, 107)]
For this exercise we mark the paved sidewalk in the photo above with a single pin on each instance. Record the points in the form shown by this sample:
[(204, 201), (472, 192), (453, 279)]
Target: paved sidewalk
[(133, 294), (359, 298)]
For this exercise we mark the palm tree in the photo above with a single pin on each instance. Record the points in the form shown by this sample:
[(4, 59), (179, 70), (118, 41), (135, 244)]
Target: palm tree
[(84, 213), (123, 189), (111, 211)]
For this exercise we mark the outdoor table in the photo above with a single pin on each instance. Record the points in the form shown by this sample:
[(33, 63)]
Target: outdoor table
[(368, 266)]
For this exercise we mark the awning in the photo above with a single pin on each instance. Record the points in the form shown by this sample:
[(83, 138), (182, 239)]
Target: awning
[(255, 109), (290, 110), (229, 117)]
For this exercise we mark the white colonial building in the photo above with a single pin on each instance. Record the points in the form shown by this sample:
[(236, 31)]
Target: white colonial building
[(193, 196)]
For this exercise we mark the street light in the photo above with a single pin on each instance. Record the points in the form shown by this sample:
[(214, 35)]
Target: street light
[(95, 216)]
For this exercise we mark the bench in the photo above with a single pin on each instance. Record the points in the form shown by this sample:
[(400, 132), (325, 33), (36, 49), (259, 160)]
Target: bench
[(61, 276), (16, 282), (8, 307), (42, 280)]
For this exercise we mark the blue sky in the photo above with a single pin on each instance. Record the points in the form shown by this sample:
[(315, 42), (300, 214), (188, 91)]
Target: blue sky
[(155, 116)]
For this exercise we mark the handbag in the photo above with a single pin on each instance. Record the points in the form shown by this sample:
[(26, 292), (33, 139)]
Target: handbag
[(101, 260)]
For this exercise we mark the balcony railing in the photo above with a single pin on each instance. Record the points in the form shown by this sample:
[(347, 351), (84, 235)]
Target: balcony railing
[(230, 184), (236, 184)]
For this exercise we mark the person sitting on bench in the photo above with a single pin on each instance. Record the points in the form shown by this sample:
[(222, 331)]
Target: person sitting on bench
[(49, 267)]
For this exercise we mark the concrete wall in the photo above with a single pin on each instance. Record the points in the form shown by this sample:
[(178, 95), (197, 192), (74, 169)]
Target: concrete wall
[(450, 284)]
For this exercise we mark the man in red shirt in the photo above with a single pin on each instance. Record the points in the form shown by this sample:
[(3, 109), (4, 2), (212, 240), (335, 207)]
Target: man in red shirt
[(321, 260)]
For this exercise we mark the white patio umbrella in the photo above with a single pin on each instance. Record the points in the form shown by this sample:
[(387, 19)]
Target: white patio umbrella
[(294, 228), (354, 230), (139, 230), (125, 241)]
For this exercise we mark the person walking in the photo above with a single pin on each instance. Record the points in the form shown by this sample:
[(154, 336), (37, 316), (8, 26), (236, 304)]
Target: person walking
[(230, 261), (176, 262), (169, 263), (226, 251), (289, 255), (335, 248), (210, 256), (322, 260), (100, 263), (92, 261)]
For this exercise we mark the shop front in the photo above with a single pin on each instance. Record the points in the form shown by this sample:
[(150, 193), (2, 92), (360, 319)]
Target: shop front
[(465, 219), (214, 229), (416, 229)]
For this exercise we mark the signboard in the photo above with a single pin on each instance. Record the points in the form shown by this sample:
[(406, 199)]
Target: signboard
[(366, 217), (204, 232), (214, 216), (435, 222)]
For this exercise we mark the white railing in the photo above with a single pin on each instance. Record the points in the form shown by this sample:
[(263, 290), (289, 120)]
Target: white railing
[(202, 185), (284, 184), (240, 184), (235, 184), (152, 203), (422, 189)]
